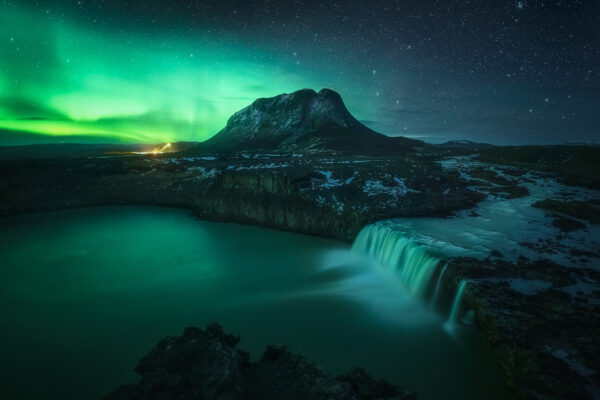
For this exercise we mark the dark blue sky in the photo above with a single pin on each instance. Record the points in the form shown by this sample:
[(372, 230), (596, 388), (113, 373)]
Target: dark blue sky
[(506, 72)]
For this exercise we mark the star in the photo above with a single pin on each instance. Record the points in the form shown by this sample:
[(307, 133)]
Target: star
[(466, 59)]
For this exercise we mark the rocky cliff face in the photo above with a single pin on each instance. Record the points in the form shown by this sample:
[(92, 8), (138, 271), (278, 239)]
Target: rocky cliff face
[(326, 196), (301, 121), (205, 364)]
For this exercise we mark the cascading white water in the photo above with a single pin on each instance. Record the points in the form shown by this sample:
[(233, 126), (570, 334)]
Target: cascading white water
[(438, 285), (393, 250), (451, 323)]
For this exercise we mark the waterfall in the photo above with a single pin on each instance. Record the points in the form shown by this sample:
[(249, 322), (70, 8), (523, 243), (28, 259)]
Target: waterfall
[(436, 292), (393, 250), (469, 318), (451, 323)]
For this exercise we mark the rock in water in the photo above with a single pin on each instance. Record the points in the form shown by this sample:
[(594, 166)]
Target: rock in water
[(302, 121), (205, 364)]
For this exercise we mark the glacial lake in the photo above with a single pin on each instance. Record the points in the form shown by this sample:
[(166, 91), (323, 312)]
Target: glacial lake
[(85, 293)]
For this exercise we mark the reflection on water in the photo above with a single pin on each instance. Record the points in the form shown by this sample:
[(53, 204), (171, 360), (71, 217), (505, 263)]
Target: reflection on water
[(85, 293)]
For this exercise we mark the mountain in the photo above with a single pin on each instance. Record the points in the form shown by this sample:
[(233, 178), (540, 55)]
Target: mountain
[(302, 121), (464, 144)]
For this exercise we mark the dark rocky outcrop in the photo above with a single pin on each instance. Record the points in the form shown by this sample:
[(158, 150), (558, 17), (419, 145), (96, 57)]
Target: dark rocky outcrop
[(540, 321), (332, 196), (588, 210), (205, 364), (573, 165), (302, 121), (567, 224)]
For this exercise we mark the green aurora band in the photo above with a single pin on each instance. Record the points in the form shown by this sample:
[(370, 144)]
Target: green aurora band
[(60, 81)]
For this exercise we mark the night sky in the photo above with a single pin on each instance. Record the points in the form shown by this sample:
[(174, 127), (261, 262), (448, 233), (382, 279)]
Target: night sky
[(503, 72)]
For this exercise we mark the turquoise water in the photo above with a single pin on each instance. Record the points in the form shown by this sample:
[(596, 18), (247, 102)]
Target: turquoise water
[(84, 294)]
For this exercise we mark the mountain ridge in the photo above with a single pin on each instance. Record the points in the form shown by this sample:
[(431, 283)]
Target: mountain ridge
[(304, 120)]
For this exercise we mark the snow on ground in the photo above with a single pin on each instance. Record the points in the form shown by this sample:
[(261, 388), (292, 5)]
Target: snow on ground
[(258, 166), (575, 366), (153, 170), (249, 156), (191, 159), (329, 182), (339, 206), (375, 187), (203, 172)]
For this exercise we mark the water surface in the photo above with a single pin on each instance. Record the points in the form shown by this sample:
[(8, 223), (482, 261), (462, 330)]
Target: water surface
[(84, 294)]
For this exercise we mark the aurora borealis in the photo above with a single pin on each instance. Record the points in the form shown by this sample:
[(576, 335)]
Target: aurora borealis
[(153, 71), (63, 80)]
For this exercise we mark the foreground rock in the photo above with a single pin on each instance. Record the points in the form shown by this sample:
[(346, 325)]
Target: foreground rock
[(205, 364)]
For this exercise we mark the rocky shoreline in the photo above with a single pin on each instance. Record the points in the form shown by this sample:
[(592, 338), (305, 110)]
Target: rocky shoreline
[(206, 364)]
